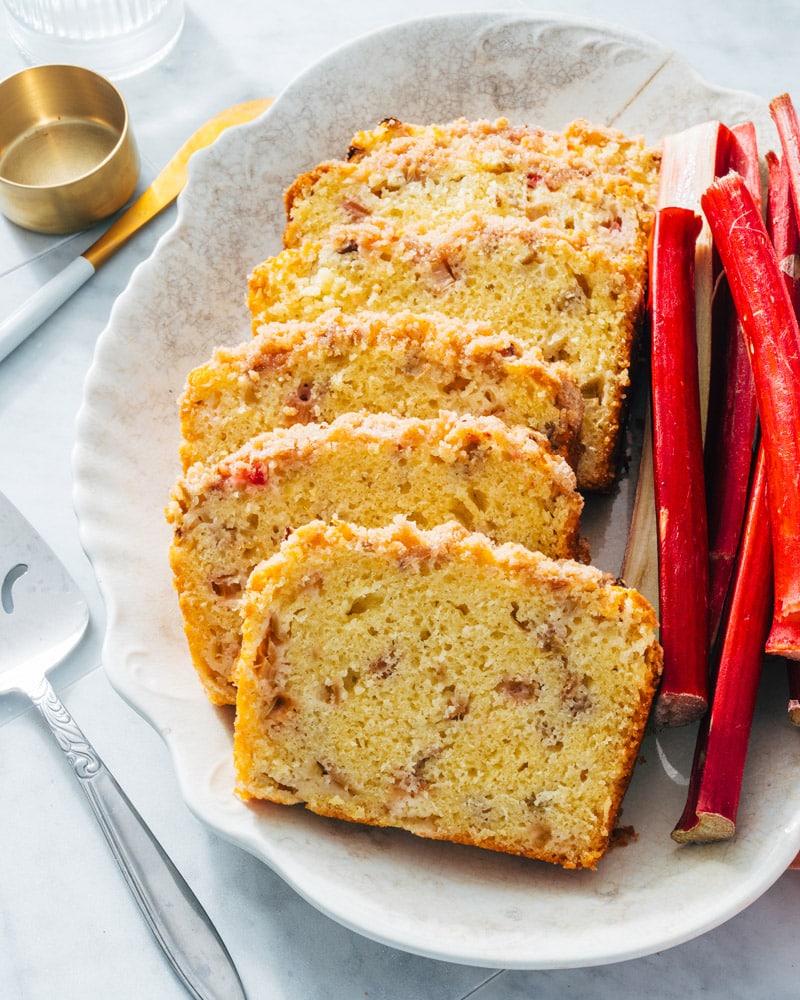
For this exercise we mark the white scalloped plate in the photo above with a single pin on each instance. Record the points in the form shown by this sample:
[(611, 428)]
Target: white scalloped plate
[(441, 900)]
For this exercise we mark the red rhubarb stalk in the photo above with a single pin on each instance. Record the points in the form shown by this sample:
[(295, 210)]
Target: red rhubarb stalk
[(782, 226), (784, 638), (786, 121), (690, 161), (772, 337), (716, 782), (732, 414), (678, 470)]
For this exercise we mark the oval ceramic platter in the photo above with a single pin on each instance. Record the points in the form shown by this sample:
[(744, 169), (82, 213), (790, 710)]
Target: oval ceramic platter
[(436, 899)]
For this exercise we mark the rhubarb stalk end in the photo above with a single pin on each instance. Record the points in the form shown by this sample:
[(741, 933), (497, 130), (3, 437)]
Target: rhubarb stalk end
[(710, 827), (678, 708)]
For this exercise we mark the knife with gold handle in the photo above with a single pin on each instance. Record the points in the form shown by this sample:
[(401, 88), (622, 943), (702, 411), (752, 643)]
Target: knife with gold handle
[(162, 192)]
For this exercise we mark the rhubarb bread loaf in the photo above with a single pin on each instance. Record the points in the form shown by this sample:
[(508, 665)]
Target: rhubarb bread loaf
[(437, 682), (412, 365), (592, 183), (504, 481)]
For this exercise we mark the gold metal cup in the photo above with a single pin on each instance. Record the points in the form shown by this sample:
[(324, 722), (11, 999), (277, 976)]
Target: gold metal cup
[(67, 153)]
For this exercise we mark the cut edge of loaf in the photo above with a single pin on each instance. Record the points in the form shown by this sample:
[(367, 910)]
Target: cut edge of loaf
[(294, 570)]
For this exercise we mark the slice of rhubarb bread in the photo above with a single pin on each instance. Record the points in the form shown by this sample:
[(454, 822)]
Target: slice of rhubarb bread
[(577, 306), (437, 682), (366, 468), (314, 371), (591, 183)]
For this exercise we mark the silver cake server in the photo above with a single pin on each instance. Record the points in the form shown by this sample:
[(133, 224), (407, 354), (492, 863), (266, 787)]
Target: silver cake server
[(43, 616)]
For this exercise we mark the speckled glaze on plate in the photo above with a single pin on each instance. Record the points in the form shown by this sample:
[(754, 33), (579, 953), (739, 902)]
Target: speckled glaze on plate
[(445, 901)]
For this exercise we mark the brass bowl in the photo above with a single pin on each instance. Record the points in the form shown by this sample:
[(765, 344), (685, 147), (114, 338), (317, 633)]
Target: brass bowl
[(67, 153)]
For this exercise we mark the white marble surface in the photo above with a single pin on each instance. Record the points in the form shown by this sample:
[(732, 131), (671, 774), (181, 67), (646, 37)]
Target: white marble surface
[(67, 926)]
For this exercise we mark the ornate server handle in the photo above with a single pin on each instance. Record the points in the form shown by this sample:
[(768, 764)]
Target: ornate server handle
[(172, 911)]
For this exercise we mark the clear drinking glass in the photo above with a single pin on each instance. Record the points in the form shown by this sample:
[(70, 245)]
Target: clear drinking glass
[(116, 38)]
